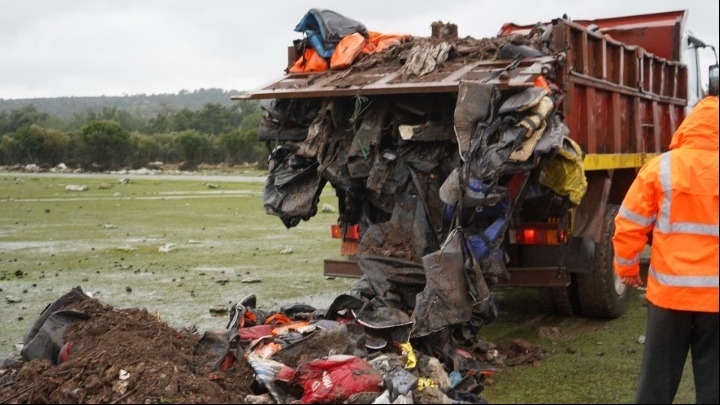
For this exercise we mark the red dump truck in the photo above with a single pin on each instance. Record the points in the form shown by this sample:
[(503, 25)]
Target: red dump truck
[(614, 91)]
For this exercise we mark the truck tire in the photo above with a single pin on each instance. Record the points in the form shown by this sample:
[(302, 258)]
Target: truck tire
[(560, 300), (600, 291)]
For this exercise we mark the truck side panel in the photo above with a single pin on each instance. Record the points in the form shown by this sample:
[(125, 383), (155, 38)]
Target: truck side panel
[(620, 101)]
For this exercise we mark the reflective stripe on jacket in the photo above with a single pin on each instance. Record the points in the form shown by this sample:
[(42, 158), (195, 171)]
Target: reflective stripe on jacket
[(675, 195)]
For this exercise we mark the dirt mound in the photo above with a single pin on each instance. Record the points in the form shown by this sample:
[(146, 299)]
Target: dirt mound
[(110, 355), (125, 356)]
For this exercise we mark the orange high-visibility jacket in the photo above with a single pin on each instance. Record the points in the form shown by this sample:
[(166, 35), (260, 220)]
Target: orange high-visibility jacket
[(675, 195)]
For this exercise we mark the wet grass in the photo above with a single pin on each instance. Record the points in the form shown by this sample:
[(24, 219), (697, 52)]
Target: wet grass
[(589, 361), (107, 239)]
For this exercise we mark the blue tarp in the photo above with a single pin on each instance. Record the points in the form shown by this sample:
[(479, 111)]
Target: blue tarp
[(325, 28)]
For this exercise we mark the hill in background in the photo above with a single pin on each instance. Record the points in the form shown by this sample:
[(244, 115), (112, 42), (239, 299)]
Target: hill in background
[(140, 105)]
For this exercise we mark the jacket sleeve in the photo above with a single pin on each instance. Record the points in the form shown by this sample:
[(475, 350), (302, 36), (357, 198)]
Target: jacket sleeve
[(636, 219)]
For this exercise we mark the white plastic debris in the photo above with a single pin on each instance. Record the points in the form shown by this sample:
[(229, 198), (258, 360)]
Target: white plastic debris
[(76, 187), (168, 247)]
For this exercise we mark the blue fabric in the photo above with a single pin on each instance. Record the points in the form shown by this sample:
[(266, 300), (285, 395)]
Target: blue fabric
[(323, 48), (325, 28), (478, 245)]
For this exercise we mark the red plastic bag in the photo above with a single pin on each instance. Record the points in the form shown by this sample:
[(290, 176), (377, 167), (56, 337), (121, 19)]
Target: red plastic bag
[(254, 332), (334, 378)]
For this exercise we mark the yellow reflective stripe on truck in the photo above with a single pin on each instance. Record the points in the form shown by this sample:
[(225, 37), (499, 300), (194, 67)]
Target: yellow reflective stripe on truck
[(607, 161)]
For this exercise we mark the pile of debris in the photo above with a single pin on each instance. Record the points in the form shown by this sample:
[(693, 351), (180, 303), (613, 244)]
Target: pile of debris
[(80, 351), (431, 182)]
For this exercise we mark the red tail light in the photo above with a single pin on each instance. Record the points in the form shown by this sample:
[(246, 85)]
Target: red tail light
[(537, 236), (335, 231), (351, 232)]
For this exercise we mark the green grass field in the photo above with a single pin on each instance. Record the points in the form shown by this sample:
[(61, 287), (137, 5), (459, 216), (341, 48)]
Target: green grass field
[(107, 238)]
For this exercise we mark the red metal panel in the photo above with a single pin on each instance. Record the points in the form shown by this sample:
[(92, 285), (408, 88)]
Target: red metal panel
[(590, 129), (618, 95), (658, 33), (657, 129), (636, 126), (616, 113)]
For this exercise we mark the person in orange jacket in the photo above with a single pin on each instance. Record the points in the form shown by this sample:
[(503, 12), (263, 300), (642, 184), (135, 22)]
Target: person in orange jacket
[(675, 196)]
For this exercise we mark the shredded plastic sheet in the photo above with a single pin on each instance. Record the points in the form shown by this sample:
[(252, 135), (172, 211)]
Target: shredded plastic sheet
[(564, 173)]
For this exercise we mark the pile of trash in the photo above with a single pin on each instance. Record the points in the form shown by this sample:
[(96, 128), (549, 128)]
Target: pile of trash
[(81, 351), (430, 181)]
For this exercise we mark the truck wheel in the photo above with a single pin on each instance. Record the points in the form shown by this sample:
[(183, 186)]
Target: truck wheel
[(600, 292), (560, 300)]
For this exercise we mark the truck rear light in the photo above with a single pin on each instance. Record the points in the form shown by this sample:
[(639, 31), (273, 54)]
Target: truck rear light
[(536, 236), (351, 233), (348, 248), (335, 231)]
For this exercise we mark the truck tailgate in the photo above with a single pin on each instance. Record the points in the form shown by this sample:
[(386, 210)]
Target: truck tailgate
[(388, 80)]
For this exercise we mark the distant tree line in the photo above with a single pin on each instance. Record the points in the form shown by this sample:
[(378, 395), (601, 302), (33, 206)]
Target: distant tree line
[(140, 105), (112, 138)]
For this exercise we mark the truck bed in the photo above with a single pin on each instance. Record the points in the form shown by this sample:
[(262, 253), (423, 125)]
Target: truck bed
[(621, 103)]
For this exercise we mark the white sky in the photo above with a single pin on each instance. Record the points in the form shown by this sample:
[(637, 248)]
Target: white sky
[(56, 48)]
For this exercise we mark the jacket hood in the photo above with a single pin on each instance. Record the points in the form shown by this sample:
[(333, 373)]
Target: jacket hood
[(699, 130)]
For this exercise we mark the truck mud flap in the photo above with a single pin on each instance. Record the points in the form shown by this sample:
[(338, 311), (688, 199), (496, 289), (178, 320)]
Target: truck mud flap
[(579, 253)]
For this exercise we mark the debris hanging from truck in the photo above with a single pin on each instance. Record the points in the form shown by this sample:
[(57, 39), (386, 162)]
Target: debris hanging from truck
[(431, 182), (517, 148), (453, 160)]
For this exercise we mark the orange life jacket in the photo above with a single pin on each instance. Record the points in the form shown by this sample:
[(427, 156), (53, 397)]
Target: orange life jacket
[(346, 51), (310, 61), (351, 46), (675, 195)]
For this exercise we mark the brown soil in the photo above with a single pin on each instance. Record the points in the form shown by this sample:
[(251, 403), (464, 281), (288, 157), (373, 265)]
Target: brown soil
[(160, 361)]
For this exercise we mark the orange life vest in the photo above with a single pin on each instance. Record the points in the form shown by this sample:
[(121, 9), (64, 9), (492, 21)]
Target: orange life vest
[(310, 61), (351, 46), (675, 195)]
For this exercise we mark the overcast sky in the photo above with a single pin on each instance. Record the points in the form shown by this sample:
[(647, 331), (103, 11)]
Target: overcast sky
[(53, 48)]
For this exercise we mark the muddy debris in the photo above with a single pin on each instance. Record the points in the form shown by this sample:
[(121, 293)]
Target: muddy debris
[(407, 331), (81, 351), (123, 356)]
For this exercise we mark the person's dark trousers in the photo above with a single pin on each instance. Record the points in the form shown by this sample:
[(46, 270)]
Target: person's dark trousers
[(670, 335)]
